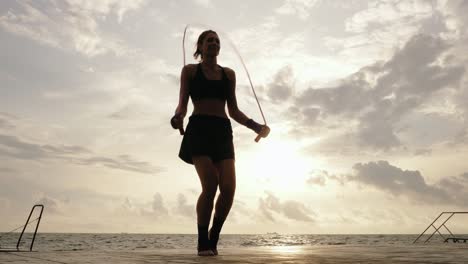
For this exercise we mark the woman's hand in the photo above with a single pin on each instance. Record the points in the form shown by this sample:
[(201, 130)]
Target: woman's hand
[(265, 131), (261, 130), (177, 122)]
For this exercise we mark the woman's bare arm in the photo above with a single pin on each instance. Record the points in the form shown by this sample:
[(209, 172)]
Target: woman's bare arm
[(238, 115), (181, 109), (233, 110)]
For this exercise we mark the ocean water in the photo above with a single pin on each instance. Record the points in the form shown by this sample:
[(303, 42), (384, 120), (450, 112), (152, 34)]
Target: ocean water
[(129, 242)]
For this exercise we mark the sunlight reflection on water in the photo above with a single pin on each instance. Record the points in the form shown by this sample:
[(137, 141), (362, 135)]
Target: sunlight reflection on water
[(287, 249)]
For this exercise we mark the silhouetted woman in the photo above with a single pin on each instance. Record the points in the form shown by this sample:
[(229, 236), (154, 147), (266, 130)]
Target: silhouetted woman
[(208, 141)]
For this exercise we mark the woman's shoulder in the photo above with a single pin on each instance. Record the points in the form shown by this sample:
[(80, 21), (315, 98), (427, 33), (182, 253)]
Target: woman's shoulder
[(231, 74), (190, 69)]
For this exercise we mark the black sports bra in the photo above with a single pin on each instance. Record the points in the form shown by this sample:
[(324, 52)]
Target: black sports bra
[(202, 88)]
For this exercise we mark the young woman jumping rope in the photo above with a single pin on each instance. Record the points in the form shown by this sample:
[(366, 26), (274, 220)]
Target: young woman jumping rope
[(208, 139)]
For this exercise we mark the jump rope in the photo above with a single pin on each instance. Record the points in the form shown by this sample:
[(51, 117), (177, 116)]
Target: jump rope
[(240, 58)]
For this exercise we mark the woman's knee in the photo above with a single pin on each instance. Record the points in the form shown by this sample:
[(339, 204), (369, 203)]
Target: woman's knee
[(227, 190), (209, 190)]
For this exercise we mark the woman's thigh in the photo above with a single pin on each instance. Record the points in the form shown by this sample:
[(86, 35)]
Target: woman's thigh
[(207, 172), (227, 174)]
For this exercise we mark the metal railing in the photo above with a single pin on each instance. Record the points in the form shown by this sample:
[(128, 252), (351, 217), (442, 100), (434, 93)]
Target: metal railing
[(446, 239), (38, 219)]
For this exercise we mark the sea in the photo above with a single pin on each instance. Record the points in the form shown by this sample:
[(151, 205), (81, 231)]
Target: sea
[(129, 242)]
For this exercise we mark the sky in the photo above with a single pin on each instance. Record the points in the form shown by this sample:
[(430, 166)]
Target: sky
[(366, 101)]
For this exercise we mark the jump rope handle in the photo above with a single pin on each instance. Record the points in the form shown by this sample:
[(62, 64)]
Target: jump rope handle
[(258, 138), (174, 125)]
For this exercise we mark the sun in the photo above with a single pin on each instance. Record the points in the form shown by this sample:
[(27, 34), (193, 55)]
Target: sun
[(279, 164)]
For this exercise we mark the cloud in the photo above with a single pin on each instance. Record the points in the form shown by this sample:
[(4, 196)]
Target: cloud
[(317, 180), (158, 205), (376, 99), (455, 19), (6, 170), (375, 32), (423, 152), (459, 139), (265, 210), (297, 211), (282, 86), (322, 177), (106, 7), (387, 13), (300, 8), (21, 190), (128, 112), (204, 3), (122, 162), (398, 182), (70, 25), (13, 147), (51, 205), (184, 209), (271, 206), (464, 176), (6, 121), (347, 98)]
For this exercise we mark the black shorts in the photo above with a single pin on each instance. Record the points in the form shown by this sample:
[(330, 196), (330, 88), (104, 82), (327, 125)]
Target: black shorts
[(207, 135)]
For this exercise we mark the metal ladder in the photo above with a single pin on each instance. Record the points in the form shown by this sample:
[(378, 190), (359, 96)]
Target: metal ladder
[(446, 239), (17, 249)]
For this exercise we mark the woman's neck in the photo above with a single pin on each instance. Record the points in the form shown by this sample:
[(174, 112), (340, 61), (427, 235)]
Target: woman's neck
[(210, 62)]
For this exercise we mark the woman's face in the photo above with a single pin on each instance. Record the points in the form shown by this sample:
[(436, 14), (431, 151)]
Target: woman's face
[(211, 45)]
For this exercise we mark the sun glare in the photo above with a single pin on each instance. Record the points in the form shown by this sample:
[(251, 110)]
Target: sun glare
[(279, 164)]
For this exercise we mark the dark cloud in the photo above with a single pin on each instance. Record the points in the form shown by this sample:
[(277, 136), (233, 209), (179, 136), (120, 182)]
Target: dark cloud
[(271, 205), (347, 99), (396, 181), (405, 183), (13, 147), (379, 96), (377, 132), (410, 184), (281, 88)]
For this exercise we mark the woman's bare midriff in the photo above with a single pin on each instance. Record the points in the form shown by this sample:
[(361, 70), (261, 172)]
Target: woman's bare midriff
[(213, 107)]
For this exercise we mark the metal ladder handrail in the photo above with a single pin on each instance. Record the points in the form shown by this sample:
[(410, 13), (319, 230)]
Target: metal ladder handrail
[(440, 226), (24, 229)]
